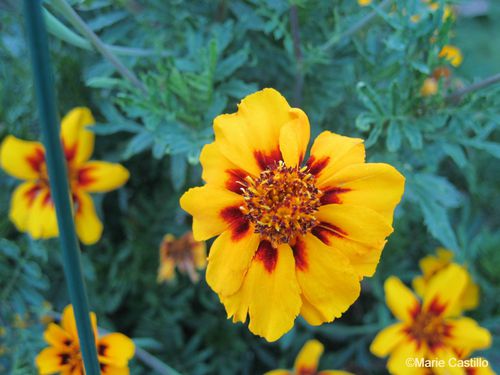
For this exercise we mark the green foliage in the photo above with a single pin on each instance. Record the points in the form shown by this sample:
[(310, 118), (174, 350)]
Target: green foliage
[(198, 59)]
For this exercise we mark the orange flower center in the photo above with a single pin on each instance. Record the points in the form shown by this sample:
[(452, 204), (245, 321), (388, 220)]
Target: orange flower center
[(281, 202), (429, 328)]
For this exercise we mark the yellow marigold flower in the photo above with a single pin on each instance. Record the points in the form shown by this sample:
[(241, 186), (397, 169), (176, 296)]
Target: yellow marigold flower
[(294, 239), (63, 356), (427, 329), (429, 87), (451, 54), (185, 253), (364, 3), (433, 265), (307, 362), (32, 209)]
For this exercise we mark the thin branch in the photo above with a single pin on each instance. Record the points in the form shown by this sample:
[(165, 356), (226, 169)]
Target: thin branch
[(79, 24), (299, 76), (143, 355), (456, 96), (336, 38)]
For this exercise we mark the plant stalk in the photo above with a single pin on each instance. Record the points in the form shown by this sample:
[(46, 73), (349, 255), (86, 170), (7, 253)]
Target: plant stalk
[(59, 186), (82, 28)]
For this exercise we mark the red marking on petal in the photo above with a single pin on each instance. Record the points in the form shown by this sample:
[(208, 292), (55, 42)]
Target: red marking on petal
[(101, 349), (32, 193), (435, 307), (316, 166), (331, 195), (415, 310), (70, 152), (265, 159), (64, 358), (235, 177), (326, 230), (304, 370), (300, 254), (47, 199), (36, 159), (238, 224), (268, 255), (85, 177)]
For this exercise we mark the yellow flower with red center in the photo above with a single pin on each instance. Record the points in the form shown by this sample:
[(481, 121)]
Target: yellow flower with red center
[(307, 362), (451, 54), (433, 265), (294, 238), (184, 253), (428, 329), (63, 356), (32, 209)]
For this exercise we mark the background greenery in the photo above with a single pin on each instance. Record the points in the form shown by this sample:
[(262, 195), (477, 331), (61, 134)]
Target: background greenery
[(197, 59)]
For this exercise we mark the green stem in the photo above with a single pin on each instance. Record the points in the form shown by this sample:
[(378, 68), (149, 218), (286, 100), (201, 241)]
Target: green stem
[(82, 28), (59, 186), (456, 96), (61, 31), (336, 38)]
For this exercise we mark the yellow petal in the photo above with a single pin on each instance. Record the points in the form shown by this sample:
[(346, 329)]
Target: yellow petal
[(116, 349), (452, 54), (114, 370), (374, 185), (219, 171), (308, 357), (229, 260), (57, 337), (325, 276), (166, 271), (42, 221), (200, 255), (331, 152), (88, 226), (355, 223), (250, 137), (311, 314), (22, 159), (269, 294), (388, 339), (400, 300), (466, 334), (78, 141), (22, 201), (208, 205), (334, 372), (68, 322), (49, 361), (294, 137), (447, 355), (470, 296), (278, 372), (444, 290), (397, 363), (419, 284), (100, 176)]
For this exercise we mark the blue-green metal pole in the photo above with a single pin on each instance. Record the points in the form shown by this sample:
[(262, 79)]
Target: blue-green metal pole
[(59, 185)]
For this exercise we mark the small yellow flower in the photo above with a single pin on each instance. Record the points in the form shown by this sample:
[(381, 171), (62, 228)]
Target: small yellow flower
[(63, 356), (433, 265), (364, 3), (293, 238), (429, 87), (428, 329), (451, 54), (185, 253), (32, 209), (307, 362)]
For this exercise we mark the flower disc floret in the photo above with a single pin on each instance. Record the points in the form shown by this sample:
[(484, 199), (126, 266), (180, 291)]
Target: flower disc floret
[(281, 203)]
